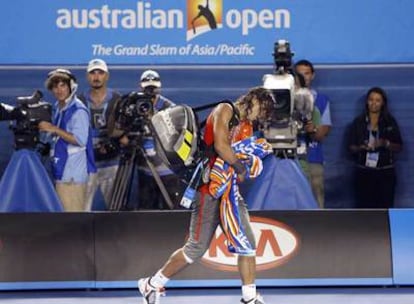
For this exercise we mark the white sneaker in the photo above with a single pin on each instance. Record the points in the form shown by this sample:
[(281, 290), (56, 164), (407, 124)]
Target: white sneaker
[(150, 294), (256, 300)]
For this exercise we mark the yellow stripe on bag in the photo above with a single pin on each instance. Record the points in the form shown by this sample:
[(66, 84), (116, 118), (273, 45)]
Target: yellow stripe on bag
[(185, 149), (188, 136)]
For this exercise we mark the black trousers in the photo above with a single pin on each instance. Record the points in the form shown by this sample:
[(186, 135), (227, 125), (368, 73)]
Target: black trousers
[(374, 188)]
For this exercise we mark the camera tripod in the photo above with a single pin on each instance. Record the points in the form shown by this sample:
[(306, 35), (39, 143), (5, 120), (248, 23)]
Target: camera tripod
[(124, 177)]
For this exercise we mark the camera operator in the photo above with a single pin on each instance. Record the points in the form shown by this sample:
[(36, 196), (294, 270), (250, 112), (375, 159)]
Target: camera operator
[(317, 129), (72, 153), (150, 196), (149, 192), (286, 129), (100, 101)]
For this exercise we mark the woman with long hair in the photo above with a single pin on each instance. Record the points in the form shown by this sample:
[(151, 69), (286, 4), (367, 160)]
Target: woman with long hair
[(374, 139)]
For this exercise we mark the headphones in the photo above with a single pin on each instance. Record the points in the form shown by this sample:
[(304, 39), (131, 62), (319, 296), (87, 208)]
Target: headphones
[(72, 79)]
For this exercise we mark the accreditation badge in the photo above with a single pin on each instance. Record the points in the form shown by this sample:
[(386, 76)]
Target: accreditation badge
[(372, 159)]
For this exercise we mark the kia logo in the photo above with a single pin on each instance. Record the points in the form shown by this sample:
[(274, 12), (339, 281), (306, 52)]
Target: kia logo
[(276, 244)]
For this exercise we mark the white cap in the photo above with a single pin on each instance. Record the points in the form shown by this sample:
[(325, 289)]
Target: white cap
[(97, 64), (150, 78)]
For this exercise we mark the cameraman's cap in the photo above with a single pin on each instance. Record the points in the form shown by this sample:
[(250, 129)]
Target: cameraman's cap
[(97, 64), (150, 78)]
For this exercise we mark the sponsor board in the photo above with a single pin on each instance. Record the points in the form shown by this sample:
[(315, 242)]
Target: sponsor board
[(199, 18), (276, 243), (116, 248), (202, 31)]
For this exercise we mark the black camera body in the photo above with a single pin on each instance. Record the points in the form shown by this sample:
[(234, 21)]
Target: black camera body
[(282, 56), (133, 113), (32, 110)]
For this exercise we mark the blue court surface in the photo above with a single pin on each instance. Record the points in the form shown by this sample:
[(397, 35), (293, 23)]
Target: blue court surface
[(363, 295)]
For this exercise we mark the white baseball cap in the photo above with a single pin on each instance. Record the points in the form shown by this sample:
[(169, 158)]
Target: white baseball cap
[(97, 64), (150, 78)]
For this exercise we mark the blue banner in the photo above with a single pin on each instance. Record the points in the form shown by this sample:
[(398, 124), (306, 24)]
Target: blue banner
[(204, 31), (281, 186), (26, 187)]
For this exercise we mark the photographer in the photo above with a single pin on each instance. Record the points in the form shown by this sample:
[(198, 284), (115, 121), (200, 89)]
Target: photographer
[(100, 101), (150, 196), (317, 129), (134, 131), (284, 178), (71, 141)]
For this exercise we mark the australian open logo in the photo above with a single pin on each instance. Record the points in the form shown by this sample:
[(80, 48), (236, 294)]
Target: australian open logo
[(203, 16)]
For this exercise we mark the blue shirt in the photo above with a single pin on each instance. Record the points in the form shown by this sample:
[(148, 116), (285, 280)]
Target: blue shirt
[(323, 117), (76, 165)]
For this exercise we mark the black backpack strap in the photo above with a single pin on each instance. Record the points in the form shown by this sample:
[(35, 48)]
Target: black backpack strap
[(235, 119)]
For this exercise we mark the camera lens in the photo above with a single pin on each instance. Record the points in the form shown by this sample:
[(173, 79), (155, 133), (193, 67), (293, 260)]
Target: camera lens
[(144, 107), (282, 104)]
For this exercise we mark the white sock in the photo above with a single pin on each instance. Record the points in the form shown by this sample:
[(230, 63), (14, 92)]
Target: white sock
[(248, 292), (159, 280)]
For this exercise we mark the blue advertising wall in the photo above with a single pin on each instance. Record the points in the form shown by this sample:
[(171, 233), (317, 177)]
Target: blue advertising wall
[(198, 85), (162, 32)]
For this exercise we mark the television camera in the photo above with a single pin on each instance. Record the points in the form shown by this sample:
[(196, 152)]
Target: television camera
[(168, 136), (133, 114), (28, 112), (284, 128)]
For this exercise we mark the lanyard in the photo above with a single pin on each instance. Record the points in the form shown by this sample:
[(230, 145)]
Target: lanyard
[(59, 115), (374, 134)]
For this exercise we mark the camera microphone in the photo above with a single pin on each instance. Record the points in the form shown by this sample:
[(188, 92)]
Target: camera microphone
[(7, 107)]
